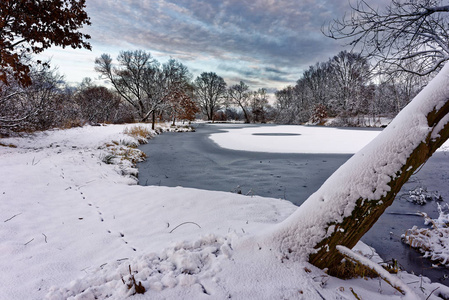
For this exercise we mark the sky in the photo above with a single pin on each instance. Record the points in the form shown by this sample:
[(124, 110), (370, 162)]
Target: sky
[(265, 43)]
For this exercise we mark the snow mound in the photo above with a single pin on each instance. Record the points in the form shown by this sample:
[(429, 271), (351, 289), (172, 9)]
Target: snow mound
[(185, 265)]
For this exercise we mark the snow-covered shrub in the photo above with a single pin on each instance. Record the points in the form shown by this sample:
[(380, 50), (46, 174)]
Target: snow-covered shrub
[(179, 128), (108, 159), (433, 241), (118, 154), (124, 153), (420, 196)]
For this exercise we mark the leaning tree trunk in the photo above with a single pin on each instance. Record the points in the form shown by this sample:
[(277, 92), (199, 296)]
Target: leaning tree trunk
[(349, 203)]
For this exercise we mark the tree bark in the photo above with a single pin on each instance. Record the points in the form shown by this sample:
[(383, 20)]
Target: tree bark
[(153, 120), (351, 201), (247, 120)]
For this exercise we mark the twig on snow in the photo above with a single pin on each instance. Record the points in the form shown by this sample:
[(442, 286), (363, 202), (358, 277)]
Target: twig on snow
[(12, 217), (183, 224), (34, 163), (432, 293), (29, 241), (122, 259)]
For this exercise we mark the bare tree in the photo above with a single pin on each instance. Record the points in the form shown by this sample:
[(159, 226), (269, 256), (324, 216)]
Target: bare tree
[(32, 106), (143, 82), (130, 79), (286, 105), (416, 30), (182, 106), (338, 88), (350, 73), (259, 105), (97, 104), (318, 83), (239, 94), (172, 87), (395, 91), (210, 90)]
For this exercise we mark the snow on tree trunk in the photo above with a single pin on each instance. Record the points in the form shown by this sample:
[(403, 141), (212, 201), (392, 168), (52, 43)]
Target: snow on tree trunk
[(350, 201)]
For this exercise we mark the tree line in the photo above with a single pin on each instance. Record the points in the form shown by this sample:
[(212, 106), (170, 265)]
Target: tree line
[(141, 89), (34, 97), (347, 89)]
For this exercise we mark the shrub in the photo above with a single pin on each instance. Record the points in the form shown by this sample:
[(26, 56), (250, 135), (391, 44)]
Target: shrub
[(140, 132)]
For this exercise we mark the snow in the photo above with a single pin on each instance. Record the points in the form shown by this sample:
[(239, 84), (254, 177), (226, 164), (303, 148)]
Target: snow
[(73, 227)]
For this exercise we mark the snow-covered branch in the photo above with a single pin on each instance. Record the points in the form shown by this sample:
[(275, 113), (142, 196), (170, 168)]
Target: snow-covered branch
[(384, 274)]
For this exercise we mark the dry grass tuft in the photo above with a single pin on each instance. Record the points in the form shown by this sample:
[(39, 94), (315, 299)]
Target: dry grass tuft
[(7, 145), (348, 269), (141, 133)]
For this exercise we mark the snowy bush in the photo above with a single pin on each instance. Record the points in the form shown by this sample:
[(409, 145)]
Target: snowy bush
[(183, 128), (420, 196), (433, 241)]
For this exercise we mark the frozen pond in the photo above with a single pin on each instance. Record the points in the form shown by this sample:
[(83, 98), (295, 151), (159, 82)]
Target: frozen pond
[(194, 160)]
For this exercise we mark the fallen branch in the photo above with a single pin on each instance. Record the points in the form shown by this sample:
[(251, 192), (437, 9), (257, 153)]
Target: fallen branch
[(29, 241), (432, 293), (121, 259), (12, 217), (395, 282), (354, 293), (184, 224)]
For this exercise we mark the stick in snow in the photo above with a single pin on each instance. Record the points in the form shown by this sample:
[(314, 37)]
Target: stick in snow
[(29, 241), (12, 217)]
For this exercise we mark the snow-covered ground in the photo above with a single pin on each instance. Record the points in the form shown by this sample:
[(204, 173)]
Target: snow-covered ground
[(73, 226)]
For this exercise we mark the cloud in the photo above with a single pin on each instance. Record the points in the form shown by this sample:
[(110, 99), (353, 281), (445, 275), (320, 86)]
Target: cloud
[(260, 40)]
